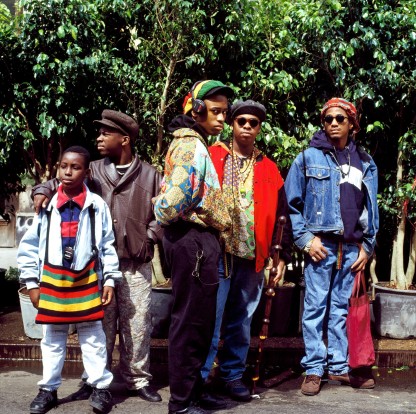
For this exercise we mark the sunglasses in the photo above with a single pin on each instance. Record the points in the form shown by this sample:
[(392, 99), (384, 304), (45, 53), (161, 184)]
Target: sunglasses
[(339, 118), (242, 121)]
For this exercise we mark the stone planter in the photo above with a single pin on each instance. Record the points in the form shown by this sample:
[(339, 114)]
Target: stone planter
[(29, 312), (394, 312)]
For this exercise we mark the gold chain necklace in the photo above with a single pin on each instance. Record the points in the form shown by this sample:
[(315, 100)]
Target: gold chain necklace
[(243, 175)]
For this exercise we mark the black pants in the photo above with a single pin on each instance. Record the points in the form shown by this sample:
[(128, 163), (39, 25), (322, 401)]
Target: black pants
[(194, 307)]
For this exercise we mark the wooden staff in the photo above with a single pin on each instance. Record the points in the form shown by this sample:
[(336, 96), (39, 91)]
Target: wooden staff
[(270, 292)]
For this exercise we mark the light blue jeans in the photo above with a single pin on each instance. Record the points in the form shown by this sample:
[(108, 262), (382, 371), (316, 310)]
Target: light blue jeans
[(94, 354), (325, 309), (237, 300)]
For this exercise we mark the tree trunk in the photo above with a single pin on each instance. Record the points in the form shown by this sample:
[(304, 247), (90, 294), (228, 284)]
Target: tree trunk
[(398, 257), (410, 271), (398, 273), (162, 106)]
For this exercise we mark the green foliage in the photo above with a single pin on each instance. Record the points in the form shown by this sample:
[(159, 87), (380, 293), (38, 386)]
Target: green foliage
[(64, 61), (12, 274)]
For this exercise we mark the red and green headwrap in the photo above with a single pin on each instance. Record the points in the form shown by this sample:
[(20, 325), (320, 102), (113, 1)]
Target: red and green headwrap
[(203, 90), (348, 107)]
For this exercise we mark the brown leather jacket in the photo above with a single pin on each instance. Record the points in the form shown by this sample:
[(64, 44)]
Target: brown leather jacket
[(130, 201)]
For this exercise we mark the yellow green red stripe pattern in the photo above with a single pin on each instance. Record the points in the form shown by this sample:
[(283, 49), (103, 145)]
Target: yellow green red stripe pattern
[(69, 296)]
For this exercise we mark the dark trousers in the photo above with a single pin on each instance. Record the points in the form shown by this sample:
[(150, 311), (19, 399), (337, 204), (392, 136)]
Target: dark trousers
[(194, 307)]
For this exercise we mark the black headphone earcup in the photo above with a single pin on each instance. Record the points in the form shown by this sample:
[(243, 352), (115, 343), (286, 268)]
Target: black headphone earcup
[(198, 106)]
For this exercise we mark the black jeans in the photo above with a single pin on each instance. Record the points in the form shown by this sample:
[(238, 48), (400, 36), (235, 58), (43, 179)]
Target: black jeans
[(194, 291)]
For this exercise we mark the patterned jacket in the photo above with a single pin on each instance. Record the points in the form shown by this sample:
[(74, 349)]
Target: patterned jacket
[(190, 188)]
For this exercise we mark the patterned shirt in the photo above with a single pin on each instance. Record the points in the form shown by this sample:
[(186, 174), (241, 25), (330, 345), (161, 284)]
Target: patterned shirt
[(238, 192), (190, 188)]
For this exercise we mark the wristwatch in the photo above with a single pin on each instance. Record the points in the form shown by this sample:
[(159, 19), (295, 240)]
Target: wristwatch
[(308, 245)]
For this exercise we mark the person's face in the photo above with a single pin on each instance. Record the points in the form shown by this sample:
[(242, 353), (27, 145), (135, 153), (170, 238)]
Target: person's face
[(110, 142), (212, 120), (337, 132), (72, 172), (246, 127)]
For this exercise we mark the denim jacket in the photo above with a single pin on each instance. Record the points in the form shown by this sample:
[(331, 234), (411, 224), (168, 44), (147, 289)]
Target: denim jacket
[(313, 194), (31, 251)]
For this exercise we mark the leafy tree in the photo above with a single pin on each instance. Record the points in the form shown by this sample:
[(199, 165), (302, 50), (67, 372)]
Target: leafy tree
[(63, 61)]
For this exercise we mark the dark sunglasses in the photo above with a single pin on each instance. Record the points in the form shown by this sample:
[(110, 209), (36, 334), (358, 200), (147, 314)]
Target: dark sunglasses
[(242, 121), (339, 118)]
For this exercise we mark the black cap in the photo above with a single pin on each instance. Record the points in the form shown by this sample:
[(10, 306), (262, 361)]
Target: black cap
[(119, 121), (248, 107)]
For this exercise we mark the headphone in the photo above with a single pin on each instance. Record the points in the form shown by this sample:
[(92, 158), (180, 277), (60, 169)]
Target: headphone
[(198, 105)]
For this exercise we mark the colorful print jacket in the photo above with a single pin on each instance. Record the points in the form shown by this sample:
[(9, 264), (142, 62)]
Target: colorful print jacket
[(190, 188)]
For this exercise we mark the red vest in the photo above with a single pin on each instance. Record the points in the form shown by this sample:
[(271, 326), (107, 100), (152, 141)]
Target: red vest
[(267, 183)]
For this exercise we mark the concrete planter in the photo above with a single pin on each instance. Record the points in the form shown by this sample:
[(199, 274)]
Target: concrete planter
[(29, 312), (394, 312)]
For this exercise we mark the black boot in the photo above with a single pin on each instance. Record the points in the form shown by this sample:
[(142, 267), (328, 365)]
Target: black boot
[(101, 400), (44, 401), (83, 393)]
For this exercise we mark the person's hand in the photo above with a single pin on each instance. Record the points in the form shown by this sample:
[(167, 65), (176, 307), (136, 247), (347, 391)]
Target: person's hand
[(40, 201), (279, 274), (107, 295), (317, 250), (34, 295), (362, 260)]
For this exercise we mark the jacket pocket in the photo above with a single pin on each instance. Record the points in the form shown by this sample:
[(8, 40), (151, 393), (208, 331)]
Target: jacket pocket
[(138, 245), (318, 179), (318, 200)]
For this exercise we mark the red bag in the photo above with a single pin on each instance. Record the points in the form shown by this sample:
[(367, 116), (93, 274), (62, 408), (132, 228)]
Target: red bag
[(360, 341)]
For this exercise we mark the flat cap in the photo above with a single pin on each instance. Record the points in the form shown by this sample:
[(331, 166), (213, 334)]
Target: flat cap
[(248, 107), (119, 121)]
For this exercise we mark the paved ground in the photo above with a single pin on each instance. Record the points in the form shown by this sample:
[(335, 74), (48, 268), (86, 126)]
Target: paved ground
[(395, 393)]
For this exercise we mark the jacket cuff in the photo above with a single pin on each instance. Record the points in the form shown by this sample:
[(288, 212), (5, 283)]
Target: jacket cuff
[(304, 239), (109, 281), (31, 285)]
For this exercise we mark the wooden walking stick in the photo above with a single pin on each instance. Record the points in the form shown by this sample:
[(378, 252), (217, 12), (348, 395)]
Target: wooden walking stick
[(275, 252)]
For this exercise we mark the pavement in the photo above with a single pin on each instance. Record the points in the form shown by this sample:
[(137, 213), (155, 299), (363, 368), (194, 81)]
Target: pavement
[(277, 390), (394, 393)]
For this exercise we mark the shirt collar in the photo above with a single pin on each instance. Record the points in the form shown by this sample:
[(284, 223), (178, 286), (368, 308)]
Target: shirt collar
[(79, 199)]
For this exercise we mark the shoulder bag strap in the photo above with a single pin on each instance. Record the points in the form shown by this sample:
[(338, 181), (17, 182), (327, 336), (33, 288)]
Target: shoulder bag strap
[(48, 218), (91, 213)]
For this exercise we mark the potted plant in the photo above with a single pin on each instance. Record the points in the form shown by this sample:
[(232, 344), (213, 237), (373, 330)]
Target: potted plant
[(394, 303)]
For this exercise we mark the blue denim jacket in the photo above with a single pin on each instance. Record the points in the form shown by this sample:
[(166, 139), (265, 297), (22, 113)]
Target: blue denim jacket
[(313, 195)]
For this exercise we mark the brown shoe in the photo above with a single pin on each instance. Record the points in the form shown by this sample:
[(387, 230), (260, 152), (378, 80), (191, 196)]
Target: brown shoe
[(363, 382), (343, 379), (354, 381), (311, 385)]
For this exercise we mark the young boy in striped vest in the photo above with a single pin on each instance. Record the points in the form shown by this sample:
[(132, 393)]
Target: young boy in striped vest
[(61, 250)]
